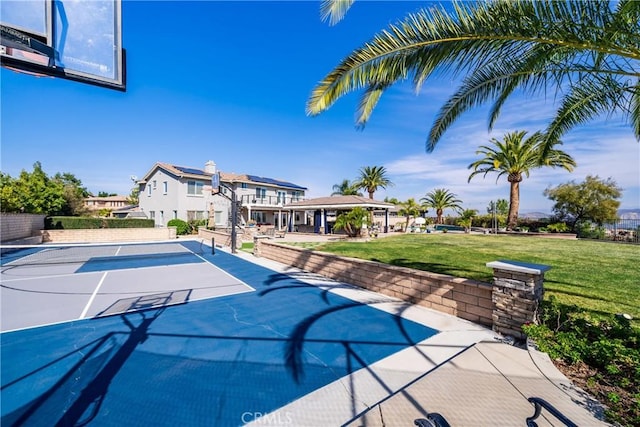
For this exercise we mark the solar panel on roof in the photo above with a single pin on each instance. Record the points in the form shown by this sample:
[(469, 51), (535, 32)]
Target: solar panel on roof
[(271, 181), (189, 170)]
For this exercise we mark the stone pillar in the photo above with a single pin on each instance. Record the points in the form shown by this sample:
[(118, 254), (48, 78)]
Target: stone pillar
[(517, 292), (256, 244)]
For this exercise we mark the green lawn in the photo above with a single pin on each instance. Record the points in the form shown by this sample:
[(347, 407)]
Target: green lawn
[(599, 276)]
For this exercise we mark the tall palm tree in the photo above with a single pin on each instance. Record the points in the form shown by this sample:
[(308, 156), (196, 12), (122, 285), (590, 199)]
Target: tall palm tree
[(345, 188), (516, 156), (441, 199), (371, 178), (409, 209), (588, 52)]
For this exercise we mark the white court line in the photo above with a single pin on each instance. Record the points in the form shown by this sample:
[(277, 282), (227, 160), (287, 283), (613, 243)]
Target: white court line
[(224, 271), (93, 295)]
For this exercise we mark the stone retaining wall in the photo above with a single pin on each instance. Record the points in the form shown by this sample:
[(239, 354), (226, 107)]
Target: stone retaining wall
[(103, 235), (16, 226), (464, 298)]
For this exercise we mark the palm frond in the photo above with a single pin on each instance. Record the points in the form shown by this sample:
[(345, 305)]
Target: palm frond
[(334, 10), (502, 45), (591, 98)]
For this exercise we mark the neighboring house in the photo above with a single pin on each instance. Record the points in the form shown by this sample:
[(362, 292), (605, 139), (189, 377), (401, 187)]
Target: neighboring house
[(95, 204), (169, 191), (132, 211)]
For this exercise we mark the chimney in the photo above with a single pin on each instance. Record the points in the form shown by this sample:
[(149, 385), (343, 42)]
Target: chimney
[(210, 167)]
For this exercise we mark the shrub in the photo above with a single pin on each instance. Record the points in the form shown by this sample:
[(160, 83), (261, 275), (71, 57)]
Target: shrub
[(352, 221), (195, 223), (558, 227), (80, 222), (586, 230), (604, 342), (182, 227)]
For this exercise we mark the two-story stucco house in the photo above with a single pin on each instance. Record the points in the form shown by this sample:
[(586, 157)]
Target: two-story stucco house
[(168, 191)]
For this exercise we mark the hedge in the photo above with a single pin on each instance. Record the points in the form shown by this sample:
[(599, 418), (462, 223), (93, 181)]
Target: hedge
[(79, 223)]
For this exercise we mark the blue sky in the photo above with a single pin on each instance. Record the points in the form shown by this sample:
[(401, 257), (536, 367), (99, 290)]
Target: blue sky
[(228, 81)]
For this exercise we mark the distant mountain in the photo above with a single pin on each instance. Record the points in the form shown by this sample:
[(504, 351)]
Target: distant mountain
[(622, 214), (534, 215), (629, 213)]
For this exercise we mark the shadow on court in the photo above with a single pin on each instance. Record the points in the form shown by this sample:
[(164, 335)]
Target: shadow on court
[(222, 361)]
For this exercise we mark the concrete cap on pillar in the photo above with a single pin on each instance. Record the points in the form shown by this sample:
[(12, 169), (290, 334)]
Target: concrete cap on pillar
[(518, 266)]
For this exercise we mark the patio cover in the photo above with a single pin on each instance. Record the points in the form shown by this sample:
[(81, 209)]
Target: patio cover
[(342, 203)]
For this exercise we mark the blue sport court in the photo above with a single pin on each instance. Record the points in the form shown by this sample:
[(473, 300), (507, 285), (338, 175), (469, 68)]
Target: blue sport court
[(173, 334)]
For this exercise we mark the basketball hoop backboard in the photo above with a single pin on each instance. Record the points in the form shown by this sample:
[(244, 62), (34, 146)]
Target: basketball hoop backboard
[(74, 40), (215, 182)]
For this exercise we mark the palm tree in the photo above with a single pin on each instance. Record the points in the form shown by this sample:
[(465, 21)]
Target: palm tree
[(371, 178), (516, 156), (586, 51), (345, 188), (409, 209), (441, 199), (466, 219)]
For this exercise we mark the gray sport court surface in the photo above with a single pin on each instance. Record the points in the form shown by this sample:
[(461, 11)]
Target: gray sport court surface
[(50, 287)]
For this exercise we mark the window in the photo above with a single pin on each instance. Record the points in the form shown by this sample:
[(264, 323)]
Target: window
[(175, 214), (261, 193), (195, 215), (155, 184), (259, 217), (152, 214), (295, 196), (282, 197), (218, 218), (148, 189), (244, 185), (194, 188), (165, 187)]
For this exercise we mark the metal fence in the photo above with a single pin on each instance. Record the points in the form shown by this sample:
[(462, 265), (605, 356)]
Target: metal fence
[(621, 230)]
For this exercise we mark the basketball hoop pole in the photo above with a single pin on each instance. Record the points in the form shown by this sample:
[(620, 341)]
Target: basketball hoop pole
[(234, 212), (234, 218)]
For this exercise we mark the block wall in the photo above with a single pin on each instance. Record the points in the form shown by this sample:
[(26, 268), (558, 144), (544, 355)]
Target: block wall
[(103, 235), (464, 298), (16, 226)]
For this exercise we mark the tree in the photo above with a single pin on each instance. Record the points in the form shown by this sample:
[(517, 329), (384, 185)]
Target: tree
[(392, 200), (587, 52), (409, 209), (352, 221), (10, 200), (594, 199), (516, 156), (466, 219), (500, 206), (499, 211), (106, 194), (74, 194), (345, 188), (371, 178), (134, 196), (35, 192), (441, 199)]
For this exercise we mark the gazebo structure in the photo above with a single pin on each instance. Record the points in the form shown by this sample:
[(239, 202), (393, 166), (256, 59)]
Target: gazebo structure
[(326, 208)]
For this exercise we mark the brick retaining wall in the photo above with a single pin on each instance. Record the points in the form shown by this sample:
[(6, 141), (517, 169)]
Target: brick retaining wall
[(464, 298), (16, 226), (103, 235)]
